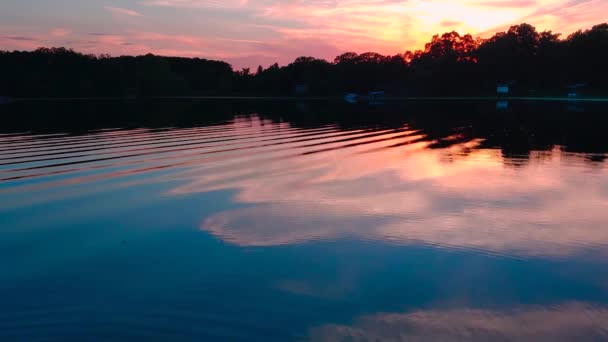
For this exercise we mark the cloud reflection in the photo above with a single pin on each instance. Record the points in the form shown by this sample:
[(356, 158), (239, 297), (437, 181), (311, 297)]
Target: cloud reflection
[(457, 197), (567, 322)]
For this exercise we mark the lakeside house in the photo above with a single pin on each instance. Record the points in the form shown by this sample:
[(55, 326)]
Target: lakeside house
[(575, 90), (502, 89), (373, 97)]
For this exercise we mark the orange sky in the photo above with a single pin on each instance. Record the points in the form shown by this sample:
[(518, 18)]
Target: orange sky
[(252, 32)]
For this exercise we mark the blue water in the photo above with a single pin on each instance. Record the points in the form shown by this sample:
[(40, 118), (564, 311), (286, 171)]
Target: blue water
[(282, 221)]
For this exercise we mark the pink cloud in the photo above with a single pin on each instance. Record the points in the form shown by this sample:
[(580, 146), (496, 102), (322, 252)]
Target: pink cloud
[(137, 43), (60, 32), (19, 43), (508, 3), (123, 11), (197, 3), (449, 23)]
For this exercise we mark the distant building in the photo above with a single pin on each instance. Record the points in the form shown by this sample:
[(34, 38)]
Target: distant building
[(373, 97), (502, 89), (575, 90), (4, 99)]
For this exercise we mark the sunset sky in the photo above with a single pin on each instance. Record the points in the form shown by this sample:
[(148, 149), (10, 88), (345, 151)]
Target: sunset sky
[(251, 32)]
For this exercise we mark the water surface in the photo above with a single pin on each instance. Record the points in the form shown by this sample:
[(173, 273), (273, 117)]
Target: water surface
[(279, 220)]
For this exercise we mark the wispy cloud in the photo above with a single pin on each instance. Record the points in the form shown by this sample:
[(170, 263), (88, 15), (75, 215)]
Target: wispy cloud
[(562, 16), (19, 38), (242, 40), (197, 3), (123, 11), (60, 32), (508, 3)]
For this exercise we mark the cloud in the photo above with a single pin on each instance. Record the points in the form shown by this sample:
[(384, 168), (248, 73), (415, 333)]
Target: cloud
[(569, 321), (19, 38), (185, 40), (16, 40), (561, 16), (508, 3), (123, 11), (226, 4), (142, 42), (450, 23), (242, 40), (60, 32)]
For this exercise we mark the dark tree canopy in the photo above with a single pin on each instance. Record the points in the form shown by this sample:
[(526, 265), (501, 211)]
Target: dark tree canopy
[(531, 62)]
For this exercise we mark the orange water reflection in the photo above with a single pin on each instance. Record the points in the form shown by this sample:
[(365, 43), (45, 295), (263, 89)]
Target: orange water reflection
[(394, 188)]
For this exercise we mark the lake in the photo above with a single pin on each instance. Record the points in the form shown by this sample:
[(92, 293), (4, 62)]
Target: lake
[(303, 220)]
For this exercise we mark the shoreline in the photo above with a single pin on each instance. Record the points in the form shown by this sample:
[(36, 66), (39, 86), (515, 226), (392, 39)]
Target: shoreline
[(339, 98)]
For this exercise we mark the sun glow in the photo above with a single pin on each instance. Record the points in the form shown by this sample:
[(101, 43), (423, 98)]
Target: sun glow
[(443, 14)]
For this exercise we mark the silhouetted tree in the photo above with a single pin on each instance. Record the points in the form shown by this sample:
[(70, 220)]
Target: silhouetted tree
[(450, 64)]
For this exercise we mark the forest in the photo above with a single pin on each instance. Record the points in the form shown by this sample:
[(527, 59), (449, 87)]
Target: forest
[(530, 62)]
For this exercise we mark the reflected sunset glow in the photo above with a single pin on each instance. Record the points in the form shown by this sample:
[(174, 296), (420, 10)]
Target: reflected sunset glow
[(397, 186)]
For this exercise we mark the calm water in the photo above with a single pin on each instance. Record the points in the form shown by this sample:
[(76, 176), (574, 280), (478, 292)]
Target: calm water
[(200, 220)]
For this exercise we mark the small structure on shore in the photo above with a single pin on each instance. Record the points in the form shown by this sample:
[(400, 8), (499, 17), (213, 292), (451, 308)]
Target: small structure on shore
[(373, 98), (502, 89), (575, 90), (4, 99)]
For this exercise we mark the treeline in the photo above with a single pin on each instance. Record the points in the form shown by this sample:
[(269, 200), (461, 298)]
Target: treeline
[(530, 62), (59, 72)]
